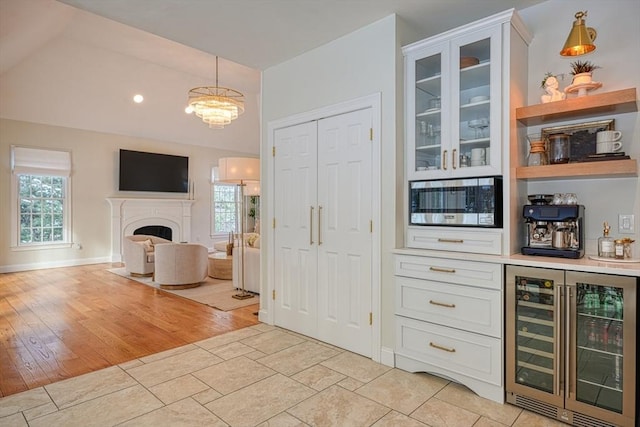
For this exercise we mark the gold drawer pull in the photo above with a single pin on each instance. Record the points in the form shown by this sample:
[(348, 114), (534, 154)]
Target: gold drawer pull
[(442, 270), (451, 240), (439, 347), (443, 304)]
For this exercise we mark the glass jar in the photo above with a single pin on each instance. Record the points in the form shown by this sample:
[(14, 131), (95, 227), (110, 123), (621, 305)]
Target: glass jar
[(537, 151), (559, 148), (618, 249)]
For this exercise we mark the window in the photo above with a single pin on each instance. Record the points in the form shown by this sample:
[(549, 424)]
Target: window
[(40, 202), (225, 206)]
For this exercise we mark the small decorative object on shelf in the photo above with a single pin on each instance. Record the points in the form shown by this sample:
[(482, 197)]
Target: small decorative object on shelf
[(550, 86), (606, 245), (582, 72)]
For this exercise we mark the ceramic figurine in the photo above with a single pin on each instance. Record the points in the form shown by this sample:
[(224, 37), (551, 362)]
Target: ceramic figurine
[(550, 85)]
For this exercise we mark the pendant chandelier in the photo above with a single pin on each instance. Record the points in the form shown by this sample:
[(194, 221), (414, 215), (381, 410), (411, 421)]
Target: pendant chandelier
[(216, 106)]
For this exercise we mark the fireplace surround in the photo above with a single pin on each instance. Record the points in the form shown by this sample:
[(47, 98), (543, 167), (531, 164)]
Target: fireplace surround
[(129, 214)]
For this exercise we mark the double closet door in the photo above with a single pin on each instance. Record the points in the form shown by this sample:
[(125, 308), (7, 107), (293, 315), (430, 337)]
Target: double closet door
[(323, 238)]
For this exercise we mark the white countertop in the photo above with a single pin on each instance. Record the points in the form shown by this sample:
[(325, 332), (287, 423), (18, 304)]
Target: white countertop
[(583, 264)]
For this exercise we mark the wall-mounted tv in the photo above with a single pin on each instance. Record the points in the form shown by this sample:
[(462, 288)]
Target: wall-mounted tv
[(140, 171)]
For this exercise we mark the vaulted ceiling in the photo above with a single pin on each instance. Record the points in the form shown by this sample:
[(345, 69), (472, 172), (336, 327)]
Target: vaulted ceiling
[(77, 63)]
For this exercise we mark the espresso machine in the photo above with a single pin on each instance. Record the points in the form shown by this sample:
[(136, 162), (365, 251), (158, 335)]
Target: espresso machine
[(554, 230)]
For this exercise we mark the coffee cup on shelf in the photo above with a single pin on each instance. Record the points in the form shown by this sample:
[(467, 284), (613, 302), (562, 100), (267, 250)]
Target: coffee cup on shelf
[(608, 136), (607, 146)]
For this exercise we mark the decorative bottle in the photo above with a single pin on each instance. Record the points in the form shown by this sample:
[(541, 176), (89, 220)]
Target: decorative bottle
[(606, 246)]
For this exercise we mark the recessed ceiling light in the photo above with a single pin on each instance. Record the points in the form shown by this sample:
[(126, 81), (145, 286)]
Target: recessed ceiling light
[(138, 99)]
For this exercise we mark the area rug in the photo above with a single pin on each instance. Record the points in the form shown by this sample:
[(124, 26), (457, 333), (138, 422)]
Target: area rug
[(212, 292)]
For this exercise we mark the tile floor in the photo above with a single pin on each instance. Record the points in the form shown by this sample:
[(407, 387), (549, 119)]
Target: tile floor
[(257, 376)]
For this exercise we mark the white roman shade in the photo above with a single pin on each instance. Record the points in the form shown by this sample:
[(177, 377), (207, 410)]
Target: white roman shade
[(38, 161)]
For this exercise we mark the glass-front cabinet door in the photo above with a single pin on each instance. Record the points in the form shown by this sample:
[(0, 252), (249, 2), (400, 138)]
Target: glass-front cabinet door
[(428, 70), (602, 349), (453, 106), (476, 106)]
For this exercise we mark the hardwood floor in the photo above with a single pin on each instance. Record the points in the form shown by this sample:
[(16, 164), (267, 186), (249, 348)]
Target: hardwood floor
[(64, 322)]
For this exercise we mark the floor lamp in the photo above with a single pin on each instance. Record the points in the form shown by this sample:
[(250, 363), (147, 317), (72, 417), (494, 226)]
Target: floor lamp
[(242, 171)]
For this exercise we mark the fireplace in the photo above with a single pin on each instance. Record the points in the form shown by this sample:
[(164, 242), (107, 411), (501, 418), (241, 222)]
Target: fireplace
[(155, 230), (129, 215)]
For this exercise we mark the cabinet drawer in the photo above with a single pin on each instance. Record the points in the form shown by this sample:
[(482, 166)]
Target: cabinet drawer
[(469, 354), (472, 273), (485, 241), (462, 307)]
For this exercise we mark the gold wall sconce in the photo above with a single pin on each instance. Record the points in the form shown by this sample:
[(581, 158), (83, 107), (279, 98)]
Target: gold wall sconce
[(581, 37)]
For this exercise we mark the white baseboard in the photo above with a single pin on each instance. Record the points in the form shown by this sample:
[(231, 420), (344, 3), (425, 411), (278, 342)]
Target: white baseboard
[(387, 357), (53, 264)]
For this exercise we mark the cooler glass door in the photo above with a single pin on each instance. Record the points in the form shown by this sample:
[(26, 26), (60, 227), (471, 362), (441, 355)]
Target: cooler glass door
[(534, 333), (602, 347)]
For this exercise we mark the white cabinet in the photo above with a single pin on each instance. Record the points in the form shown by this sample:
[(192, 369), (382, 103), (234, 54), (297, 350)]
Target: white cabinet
[(456, 114), (449, 320)]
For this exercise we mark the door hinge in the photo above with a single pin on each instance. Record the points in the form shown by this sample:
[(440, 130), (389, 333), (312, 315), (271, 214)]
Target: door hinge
[(370, 226), (273, 151), (370, 134), (273, 223), (370, 318), (273, 294)]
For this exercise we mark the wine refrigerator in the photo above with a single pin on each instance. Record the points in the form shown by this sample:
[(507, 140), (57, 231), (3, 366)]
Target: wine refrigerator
[(571, 345)]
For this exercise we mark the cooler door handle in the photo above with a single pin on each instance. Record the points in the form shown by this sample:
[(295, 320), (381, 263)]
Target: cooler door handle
[(453, 158), (444, 160)]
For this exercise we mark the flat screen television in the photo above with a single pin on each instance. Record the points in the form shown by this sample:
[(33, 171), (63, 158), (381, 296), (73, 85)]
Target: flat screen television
[(140, 171)]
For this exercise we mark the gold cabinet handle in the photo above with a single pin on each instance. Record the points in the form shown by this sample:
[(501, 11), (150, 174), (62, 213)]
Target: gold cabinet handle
[(444, 160), (442, 270), (311, 225), (439, 347), (442, 304), (453, 158), (319, 228), (451, 240)]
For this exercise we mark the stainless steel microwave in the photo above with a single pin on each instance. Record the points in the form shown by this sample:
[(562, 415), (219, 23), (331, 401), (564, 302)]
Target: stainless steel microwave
[(467, 202)]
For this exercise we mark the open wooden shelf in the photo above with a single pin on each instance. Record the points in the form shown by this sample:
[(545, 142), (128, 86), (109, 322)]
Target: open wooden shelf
[(599, 169), (616, 102)]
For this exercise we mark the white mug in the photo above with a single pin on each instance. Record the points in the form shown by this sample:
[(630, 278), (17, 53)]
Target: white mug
[(477, 154), (607, 146), (608, 136)]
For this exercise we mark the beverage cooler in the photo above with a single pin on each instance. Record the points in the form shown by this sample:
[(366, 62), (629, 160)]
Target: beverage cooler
[(571, 345)]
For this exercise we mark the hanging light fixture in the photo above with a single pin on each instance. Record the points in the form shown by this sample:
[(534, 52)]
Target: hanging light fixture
[(581, 37), (216, 106)]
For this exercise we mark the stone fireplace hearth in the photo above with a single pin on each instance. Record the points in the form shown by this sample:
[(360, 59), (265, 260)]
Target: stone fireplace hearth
[(128, 215)]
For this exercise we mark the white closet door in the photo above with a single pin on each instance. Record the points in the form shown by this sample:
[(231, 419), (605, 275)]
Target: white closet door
[(295, 239), (345, 239)]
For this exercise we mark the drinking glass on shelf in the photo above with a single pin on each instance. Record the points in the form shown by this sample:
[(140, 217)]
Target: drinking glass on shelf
[(571, 199)]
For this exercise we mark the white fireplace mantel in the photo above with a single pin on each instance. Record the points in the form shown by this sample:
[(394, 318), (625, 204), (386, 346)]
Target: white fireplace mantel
[(129, 214)]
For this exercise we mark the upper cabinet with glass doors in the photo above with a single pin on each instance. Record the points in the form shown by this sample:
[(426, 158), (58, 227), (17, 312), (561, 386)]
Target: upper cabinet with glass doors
[(457, 116)]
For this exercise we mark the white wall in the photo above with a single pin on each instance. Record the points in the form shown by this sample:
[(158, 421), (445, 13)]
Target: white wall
[(362, 63), (94, 178), (618, 53)]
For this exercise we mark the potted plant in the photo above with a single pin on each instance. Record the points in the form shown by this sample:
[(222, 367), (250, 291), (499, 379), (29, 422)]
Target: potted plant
[(582, 71)]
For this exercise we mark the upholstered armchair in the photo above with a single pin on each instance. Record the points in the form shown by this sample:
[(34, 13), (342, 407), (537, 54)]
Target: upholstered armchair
[(181, 265), (138, 253)]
